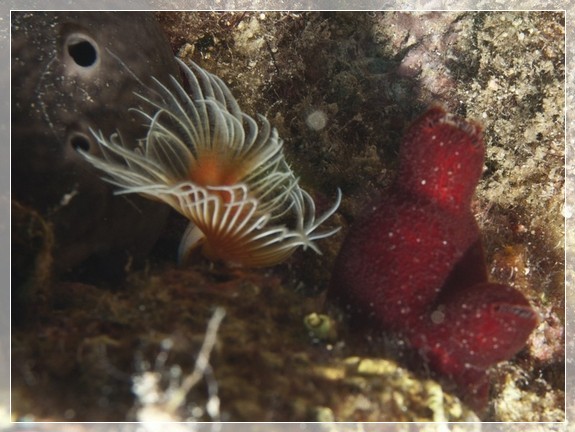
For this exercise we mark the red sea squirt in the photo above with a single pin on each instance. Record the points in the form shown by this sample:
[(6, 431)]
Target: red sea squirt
[(413, 262)]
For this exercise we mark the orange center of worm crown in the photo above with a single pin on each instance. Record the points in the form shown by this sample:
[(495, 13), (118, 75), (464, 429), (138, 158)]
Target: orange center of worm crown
[(213, 168)]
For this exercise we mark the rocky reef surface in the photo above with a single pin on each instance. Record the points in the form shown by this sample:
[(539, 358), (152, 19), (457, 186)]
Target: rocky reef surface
[(341, 88)]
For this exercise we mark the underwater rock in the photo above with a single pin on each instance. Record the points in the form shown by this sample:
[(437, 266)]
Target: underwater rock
[(31, 260), (414, 264), (73, 72)]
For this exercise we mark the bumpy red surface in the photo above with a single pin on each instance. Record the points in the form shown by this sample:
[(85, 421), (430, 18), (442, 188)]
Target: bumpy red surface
[(414, 263)]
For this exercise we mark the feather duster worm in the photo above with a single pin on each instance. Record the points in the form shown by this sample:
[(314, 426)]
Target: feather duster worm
[(219, 168)]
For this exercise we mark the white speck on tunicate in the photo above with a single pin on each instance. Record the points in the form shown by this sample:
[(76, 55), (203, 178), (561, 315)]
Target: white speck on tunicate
[(437, 316)]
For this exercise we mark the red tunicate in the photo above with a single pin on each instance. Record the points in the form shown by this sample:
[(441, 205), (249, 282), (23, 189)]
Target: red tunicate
[(413, 264)]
